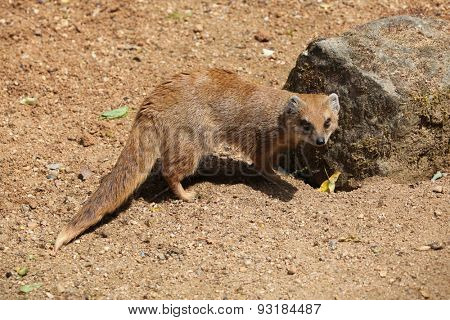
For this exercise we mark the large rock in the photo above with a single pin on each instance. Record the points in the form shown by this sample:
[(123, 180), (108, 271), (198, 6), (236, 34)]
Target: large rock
[(393, 79)]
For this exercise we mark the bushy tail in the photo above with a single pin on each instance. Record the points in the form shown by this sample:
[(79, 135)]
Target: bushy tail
[(132, 168)]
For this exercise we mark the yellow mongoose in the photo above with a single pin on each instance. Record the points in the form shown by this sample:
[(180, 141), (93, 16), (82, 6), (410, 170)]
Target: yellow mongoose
[(187, 116)]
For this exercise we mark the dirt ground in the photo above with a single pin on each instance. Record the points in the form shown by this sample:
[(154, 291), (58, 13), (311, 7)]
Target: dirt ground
[(244, 238)]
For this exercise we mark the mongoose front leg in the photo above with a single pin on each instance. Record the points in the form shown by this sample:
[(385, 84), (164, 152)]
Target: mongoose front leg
[(264, 166)]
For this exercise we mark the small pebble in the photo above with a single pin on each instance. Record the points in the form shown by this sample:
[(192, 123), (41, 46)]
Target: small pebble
[(437, 213), (262, 36), (291, 271), (437, 245), (375, 249), (49, 295), (437, 176), (32, 203), (86, 140), (267, 52), (423, 248), (424, 293), (32, 225), (8, 274), (198, 28), (54, 166), (85, 173), (383, 273), (161, 256), (438, 189), (103, 234), (60, 288), (52, 175), (332, 244)]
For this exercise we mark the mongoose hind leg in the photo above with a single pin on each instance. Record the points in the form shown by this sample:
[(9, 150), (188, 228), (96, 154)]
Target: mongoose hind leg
[(179, 191), (176, 168)]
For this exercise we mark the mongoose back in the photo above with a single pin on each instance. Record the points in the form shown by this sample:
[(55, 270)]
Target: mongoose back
[(188, 116)]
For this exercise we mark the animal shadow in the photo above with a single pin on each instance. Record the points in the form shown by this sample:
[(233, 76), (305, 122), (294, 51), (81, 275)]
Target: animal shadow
[(214, 169), (218, 170)]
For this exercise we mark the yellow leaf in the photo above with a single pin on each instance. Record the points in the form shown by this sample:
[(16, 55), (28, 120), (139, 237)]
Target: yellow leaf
[(330, 184), (335, 176), (324, 186)]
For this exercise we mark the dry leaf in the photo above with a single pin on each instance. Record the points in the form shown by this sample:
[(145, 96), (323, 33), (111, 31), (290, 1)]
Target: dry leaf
[(330, 184)]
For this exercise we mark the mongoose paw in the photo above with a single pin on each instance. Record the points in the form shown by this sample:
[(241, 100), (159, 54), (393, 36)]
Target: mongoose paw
[(189, 196)]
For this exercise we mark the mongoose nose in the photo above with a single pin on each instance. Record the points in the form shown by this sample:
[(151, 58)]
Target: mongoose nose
[(320, 141)]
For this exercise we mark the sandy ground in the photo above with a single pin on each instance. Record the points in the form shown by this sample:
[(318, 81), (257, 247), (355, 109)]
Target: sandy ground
[(244, 238)]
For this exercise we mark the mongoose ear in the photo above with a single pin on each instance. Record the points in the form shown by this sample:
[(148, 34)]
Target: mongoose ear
[(333, 100), (293, 105)]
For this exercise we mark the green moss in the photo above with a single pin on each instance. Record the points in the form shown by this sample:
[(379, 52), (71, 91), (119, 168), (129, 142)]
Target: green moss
[(432, 108)]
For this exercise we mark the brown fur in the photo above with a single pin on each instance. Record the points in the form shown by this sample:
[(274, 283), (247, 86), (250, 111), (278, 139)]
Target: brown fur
[(186, 117)]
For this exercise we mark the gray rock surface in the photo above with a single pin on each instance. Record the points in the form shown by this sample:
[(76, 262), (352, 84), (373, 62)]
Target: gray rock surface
[(393, 80)]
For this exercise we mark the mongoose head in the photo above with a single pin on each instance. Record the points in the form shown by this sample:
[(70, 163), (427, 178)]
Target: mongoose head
[(312, 117)]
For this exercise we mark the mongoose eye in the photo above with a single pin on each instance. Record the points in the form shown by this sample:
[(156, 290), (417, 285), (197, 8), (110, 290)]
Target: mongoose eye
[(327, 123), (306, 126)]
